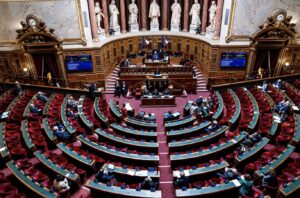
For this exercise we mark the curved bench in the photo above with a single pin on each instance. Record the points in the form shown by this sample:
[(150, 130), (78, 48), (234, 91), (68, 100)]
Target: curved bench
[(5, 155), (64, 116), (133, 132), (197, 128), (237, 112), (100, 115), (117, 191), (127, 142), (115, 111), (27, 139), (180, 123), (35, 187), (48, 131), (198, 140), (138, 123), (95, 146), (81, 114), (291, 188), (255, 117), (220, 107)]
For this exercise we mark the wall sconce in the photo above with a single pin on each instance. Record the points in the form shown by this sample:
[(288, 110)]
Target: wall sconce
[(25, 69), (287, 64)]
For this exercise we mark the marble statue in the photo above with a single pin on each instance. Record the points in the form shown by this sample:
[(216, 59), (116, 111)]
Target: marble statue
[(99, 15), (113, 12), (176, 13), (133, 13), (195, 12), (154, 13), (212, 16)]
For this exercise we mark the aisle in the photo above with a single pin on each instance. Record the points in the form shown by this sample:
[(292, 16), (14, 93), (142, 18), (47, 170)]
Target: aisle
[(166, 175)]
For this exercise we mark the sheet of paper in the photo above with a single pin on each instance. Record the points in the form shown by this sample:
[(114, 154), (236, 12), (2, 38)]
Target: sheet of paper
[(79, 106), (4, 115), (143, 173), (2, 149), (236, 182), (295, 108), (131, 172), (111, 166), (186, 172)]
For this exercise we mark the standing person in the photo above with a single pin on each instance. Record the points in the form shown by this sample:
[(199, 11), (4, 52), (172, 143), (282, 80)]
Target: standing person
[(117, 89), (17, 89), (124, 89), (92, 89)]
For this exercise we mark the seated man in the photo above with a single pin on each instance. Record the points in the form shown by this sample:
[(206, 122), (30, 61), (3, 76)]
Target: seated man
[(42, 96), (169, 115), (149, 184), (283, 106), (278, 84), (105, 175), (213, 127), (17, 89), (155, 92), (255, 137), (264, 86), (229, 173), (35, 109), (166, 92), (182, 181), (246, 185), (193, 109), (72, 102), (71, 114), (145, 92), (61, 134)]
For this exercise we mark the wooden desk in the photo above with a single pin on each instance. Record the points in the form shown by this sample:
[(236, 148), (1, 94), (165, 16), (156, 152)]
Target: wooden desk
[(157, 101), (150, 62)]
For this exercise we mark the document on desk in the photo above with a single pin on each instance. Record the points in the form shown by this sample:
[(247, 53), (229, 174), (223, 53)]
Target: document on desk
[(142, 173), (295, 108), (131, 172), (79, 106), (110, 166), (4, 114), (176, 114), (236, 182)]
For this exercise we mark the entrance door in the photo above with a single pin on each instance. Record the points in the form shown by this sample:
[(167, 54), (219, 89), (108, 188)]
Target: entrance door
[(266, 59), (45, 63)]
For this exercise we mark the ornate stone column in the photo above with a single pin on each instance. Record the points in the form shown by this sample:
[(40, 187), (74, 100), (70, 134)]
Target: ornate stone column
[(123, 16), (185, 16), (204, 17), (164, 12), (144, 17), (218, 19), (105, 20), (93, 20)]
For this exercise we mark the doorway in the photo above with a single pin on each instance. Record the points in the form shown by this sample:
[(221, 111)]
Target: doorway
[(267, 59)]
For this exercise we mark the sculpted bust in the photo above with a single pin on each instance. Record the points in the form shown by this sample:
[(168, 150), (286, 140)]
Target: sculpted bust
[(114, 12), (176, 13), (154, 13), (195, 12), (133, 13)]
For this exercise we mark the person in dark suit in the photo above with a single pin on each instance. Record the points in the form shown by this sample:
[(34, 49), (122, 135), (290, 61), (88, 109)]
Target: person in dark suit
[(155, 92), (105, 175), (166, 92), (124, 89), (145, 92), (149, 184), (127, 62), (92, 89), (155, 55), (199, 101), (17, 89), (117, 89), (182, 181), (156, 72)]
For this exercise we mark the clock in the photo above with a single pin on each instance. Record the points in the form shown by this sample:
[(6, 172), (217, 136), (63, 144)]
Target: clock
[(280, 17), (33, 20)]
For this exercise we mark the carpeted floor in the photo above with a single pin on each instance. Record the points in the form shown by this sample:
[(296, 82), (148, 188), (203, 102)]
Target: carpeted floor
[(166, 174)]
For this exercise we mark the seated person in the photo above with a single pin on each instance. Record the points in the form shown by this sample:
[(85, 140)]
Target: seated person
[(213, 127), (199, 101), (155, 92), (35, 109), (246, 185), (269, 183), (255, 137), (71, 114), (42, 97), (145, 92), (127, 62), (155, 55), (156, 72), (149, 184), (193, 109), (283, 106), (278, 84), (150, 117), (118, 107), (124, 110), (166, 92), (169, 116), (140, 115), (72, 102), (229, 173), (105, 175), (264, 86), (61, 133), (60, 183), (283, 116), (17, 89), (182, 181)]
